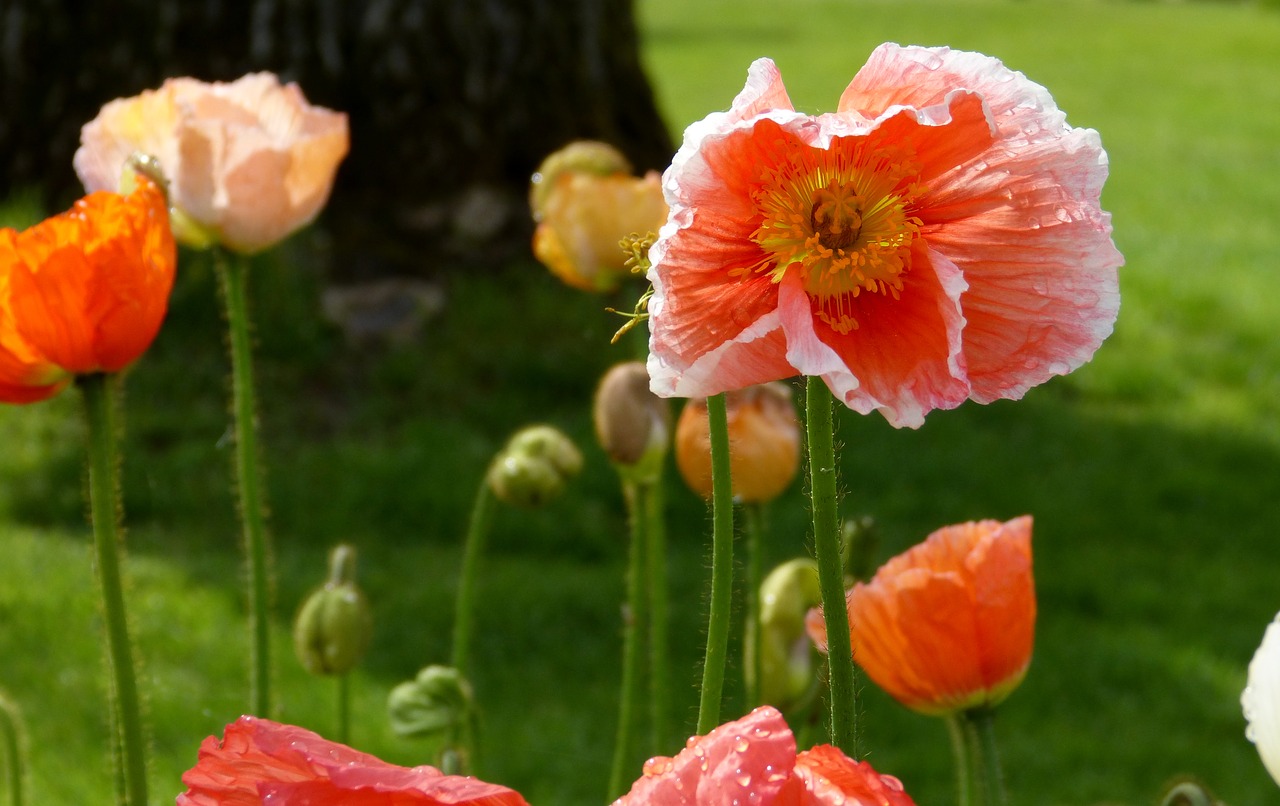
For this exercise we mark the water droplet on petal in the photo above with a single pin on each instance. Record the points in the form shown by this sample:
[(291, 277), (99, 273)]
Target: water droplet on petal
[(743, 778), (740, 743)]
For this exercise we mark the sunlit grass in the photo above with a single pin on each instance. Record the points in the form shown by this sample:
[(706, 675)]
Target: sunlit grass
[(1153, 472)]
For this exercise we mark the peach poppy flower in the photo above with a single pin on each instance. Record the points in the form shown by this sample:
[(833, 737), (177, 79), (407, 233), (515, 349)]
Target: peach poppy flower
[(260, 761), (754, 760), (585, 201), (949, 624), (764, 443), (248, 162), (84, 291), (937, 238)]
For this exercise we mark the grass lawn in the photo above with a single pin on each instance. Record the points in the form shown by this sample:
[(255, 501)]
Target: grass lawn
[(1153, 472)]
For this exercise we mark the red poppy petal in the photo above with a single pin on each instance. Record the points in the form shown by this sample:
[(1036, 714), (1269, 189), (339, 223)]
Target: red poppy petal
[(745, 761), (833, 779), (903, 358)]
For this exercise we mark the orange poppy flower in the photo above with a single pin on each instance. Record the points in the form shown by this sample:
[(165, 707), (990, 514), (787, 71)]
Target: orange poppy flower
[(84, 291), (248, 162), (937, 238), (260, 761), (754, 760), (764, 443), (949, 624)]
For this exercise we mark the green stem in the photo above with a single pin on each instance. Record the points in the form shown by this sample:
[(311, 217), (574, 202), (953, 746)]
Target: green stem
[(104, 506), (233, 275), (986, 754), (633, 628), (344, 708), (753, 530), (656, 558), (464, 610), (721, 567), (963, 761), (11, 744), (820, 432)]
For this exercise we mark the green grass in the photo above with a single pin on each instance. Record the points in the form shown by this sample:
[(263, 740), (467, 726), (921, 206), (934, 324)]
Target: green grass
[(1153, 472)]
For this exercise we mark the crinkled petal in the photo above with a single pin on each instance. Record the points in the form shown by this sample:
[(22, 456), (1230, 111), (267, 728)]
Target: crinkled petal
[(833, 779), (1261, 700)]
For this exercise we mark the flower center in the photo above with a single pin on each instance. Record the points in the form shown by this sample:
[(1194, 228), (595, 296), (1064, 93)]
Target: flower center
[(842, 218)]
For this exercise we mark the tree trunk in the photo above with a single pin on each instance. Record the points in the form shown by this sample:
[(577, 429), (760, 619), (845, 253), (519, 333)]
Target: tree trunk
[(452, 102)]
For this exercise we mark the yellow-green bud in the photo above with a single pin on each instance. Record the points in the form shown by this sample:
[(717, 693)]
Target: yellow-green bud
[(334, 625), (438, 700), (632, 423), (788, 662), (534, 467)]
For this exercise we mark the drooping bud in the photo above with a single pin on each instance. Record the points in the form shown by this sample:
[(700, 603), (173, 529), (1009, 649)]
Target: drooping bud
[(335, 624), (632, 423), (764, 443), (438, 701), (534, 467), (788, 662)]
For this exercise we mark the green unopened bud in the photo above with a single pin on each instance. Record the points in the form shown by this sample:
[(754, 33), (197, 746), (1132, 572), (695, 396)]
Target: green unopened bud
[(438, 701), (534, 467), (788, 662), (632, 423), (332, 631), (581, 156)]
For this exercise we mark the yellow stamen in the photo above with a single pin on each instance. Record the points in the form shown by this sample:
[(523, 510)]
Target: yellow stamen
[(842, 217)]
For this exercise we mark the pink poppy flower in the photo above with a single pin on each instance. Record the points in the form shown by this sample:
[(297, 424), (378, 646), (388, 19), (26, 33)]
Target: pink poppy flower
[(754, 760), (937, 238), (259, 761), (248, 162)]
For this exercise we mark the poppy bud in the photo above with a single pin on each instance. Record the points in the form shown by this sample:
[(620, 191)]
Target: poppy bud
[(581, 156), (764, 443), (632, 423), (332, 631), (788, 664), (534, 466), (438, 700)]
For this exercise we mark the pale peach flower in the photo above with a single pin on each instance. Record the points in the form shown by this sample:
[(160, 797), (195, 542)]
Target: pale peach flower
[(248, 162), (937, 238)]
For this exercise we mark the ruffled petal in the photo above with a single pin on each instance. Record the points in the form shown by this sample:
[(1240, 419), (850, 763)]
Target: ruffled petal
[(833, 779)]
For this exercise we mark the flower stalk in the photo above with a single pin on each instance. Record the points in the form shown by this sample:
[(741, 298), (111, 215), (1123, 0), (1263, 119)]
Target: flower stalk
[(721, 567), (233, 276), (464, 608), (819, 430), (12, 761), (105, 510), (753, 530), (635, 626)]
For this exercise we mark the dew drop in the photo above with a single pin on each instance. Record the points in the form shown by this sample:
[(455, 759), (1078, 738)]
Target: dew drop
[(740, 743), (762, 733), (743, 778), (1063, 215), (890, 782)]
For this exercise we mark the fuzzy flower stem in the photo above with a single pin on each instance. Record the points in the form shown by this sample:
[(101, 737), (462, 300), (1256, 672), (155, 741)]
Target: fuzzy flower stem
[(11, 745), (721, 567), (986, 755), (753, 530), (656, 558), (819, 428), (104, 507), (963, 760), (464, 609), (633, 630), (233, 274)]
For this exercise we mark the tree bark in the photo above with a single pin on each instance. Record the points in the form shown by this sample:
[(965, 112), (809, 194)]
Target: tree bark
[(452, 104)]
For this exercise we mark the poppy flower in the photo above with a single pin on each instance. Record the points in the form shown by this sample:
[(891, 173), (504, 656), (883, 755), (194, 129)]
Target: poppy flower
[(249, 162), (585, 200), (764, 443), (1261, 700), (949, 624), (937, 238), (84, 291), (754, 760), (260, 761)]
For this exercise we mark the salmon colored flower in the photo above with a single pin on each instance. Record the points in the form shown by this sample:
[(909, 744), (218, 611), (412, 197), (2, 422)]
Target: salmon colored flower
[(754, 760), (937, 238), (84, 291), (259, 761), (248, 162), (585, 201), (764, 443), (949, 624)]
